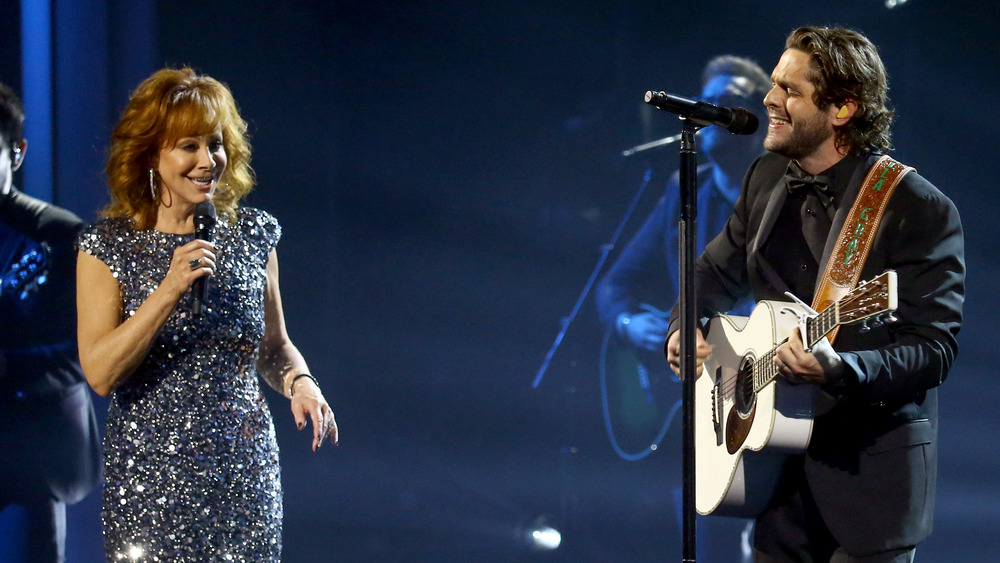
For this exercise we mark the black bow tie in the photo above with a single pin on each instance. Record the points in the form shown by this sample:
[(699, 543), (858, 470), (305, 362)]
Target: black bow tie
[(804, 184)]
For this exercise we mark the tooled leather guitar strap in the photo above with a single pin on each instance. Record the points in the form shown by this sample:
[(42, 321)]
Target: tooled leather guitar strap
[(855, 240)]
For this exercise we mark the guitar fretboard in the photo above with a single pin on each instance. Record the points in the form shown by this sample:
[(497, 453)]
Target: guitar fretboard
[(764, 370)]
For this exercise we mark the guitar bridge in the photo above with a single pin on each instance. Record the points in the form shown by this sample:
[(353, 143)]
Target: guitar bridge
[(717, 407)]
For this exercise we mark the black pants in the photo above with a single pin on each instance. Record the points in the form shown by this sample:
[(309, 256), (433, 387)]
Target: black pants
[(841, 556), (33, 438), (792, 530), (33, 530)]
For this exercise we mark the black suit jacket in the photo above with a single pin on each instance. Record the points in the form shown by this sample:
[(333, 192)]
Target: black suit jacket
[(49, 442), (871, 464)]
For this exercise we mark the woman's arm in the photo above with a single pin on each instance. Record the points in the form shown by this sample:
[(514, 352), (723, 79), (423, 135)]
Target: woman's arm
[(280, 362), (111, 350)]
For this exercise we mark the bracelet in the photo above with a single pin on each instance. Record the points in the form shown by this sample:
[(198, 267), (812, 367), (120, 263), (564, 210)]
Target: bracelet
[(291, 386)]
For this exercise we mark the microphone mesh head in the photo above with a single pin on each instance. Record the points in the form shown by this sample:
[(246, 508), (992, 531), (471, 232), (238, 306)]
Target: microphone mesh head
[(205, 209), (744, 122)]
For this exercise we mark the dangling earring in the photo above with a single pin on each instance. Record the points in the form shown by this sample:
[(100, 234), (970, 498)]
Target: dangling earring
[(152, 184)]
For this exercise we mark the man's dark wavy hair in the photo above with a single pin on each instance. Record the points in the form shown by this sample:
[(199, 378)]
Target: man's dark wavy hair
[(846, 66)]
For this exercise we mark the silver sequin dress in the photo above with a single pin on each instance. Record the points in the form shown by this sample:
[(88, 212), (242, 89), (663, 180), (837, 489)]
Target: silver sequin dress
[(191, 462)]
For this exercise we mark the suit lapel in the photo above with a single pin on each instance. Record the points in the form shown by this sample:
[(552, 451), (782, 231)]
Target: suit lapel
[(775, 201)]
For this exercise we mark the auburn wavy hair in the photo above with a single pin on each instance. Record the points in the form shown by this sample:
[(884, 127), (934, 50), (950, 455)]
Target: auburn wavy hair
[(167, 106)]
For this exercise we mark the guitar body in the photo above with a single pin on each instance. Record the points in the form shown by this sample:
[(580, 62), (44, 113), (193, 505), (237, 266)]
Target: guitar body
[(743, 437), (640, 396)]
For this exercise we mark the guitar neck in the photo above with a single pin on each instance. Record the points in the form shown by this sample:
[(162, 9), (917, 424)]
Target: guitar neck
[(764, 370), (871, 299), (822, 324)]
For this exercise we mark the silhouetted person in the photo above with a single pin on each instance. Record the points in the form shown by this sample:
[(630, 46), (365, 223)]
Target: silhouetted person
[(49, 446)]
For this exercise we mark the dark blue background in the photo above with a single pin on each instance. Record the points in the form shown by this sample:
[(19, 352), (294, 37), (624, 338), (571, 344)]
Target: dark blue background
[(446, 173)]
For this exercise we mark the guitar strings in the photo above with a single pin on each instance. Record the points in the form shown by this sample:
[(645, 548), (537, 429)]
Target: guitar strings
[(764, 370)]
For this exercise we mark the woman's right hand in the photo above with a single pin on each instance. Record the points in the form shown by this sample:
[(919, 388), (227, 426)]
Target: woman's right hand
[(190, 262)]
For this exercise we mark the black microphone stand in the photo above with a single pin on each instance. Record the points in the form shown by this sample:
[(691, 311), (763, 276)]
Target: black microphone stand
[(688, 239)]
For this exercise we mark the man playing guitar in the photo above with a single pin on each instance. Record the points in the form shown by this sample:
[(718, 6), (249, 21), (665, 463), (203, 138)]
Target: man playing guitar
[(863, 490)]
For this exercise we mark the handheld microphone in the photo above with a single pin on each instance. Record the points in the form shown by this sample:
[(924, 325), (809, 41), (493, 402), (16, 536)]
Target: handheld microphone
[(738, 121), (204, 222)]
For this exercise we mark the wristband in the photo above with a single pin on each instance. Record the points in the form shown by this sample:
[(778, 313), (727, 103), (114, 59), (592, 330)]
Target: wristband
[(291, 386)]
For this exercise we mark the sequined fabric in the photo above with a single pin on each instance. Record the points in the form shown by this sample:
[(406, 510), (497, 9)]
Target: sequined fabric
[(191, 462)]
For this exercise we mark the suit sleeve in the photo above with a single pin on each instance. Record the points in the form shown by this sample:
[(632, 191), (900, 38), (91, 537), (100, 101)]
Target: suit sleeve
[(639, 272), (58, 229), (923, 242), (39, 220)]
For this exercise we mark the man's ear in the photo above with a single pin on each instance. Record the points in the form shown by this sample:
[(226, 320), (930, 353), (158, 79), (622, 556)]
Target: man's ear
[(844, 112), (17, 156)]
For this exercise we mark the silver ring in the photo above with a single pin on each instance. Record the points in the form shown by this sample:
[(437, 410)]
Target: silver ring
[(195, 264)]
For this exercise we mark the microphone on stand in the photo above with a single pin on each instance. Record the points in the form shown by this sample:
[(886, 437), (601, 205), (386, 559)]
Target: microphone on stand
[(204, 222), (738, 121)]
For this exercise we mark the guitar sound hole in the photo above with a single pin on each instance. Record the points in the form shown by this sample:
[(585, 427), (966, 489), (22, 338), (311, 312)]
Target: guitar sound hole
[(744, 395)]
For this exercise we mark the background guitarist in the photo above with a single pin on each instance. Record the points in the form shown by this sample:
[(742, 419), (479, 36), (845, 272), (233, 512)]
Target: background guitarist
[(864, 490), (646, 271)]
